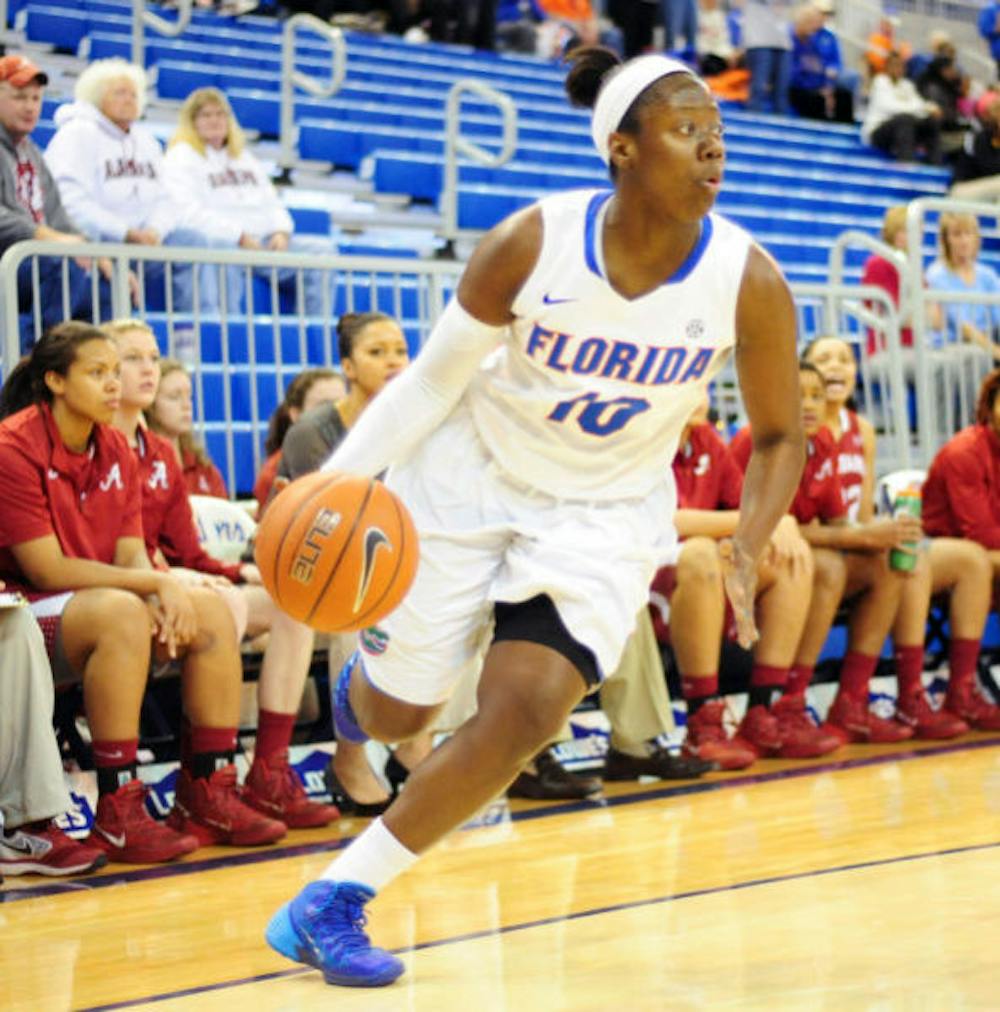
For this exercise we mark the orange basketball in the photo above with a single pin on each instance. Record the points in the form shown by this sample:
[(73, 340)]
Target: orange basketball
[(336, 551)]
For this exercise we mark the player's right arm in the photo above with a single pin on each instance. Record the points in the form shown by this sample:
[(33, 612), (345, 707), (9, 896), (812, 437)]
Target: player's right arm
[(423, 395)]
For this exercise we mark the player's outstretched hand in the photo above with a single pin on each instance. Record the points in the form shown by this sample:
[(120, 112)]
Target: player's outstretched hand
[(739, 571)]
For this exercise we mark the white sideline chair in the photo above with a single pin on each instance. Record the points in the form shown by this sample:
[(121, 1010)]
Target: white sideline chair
[(225, 528), (889, 486)]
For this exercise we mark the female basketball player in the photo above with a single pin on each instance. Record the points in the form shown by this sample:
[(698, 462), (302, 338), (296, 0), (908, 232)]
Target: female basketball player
[(955, 566), (532, 440)]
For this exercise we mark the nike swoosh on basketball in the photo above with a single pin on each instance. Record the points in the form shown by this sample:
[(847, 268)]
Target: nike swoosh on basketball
[(117, 841), (549, 301), (374, 540)]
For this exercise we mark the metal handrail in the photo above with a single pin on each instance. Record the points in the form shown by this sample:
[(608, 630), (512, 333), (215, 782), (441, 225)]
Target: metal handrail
[(292, 79), (142, 19), (455, 144)]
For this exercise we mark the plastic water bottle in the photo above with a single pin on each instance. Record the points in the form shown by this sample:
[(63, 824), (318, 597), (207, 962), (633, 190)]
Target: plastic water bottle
[(908, 503)]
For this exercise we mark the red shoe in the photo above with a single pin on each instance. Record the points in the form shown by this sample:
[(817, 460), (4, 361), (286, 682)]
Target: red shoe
[(916, 711), (965, 701), (274, 788), (42, 848), (851, 719), (800, 737), (210, 809), (707, 739), (759, 731), (126, 832)]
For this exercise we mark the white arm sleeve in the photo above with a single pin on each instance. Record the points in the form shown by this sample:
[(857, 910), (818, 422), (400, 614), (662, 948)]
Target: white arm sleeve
[(420, 398)]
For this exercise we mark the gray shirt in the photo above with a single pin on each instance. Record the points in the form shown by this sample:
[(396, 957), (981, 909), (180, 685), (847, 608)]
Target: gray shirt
[(16, 222), (310, 441)]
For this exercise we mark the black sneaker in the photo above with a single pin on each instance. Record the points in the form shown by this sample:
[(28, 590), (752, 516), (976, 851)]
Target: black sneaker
[(552, 782), (659, 763)]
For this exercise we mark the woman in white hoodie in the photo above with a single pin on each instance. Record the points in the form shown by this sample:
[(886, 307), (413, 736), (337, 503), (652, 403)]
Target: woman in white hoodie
[(109, 171), (211, 173)]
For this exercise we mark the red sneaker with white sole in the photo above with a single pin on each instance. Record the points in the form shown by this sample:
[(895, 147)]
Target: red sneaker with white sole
[(126, 832), (967, 702), (211, 810), (915, 711), (707, 739), (800, 737), (273, 788), (42, 848), (853, 721)]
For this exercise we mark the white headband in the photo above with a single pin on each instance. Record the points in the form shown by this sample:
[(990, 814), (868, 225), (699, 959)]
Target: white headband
[(622, 89)]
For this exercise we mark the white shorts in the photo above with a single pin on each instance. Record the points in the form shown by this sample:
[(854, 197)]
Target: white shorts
[(485, 538)]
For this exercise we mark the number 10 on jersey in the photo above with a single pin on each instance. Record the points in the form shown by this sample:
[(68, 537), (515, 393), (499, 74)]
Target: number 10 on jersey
[(597, 417)]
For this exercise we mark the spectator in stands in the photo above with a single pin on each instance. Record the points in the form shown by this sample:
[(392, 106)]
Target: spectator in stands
[(309, 389), (970, 329), (680, 21), (172, 416), (32, 790), (373, 350), (709, 481), (898, 121), (815, 90), (882, 43), (767, 44), (71, 537), (714, 45), (884, 273), (951, 565), (989, 29), (172, 543), (850, 563), (216, 180), (943, 83), (109, 169), (30, 207), (977, 169)]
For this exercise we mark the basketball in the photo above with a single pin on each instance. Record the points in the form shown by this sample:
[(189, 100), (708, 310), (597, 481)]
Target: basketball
[(337, 552)]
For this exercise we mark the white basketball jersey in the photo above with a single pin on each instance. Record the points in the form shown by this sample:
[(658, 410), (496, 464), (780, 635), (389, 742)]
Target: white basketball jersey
[(588, 395)]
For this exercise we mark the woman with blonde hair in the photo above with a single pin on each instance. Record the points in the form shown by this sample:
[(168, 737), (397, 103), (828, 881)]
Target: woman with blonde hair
[(211, 173), (109, 170), (970, 328)]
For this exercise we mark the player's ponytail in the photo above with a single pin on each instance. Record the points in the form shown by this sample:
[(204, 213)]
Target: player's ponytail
[(55, 352), (589, 66)]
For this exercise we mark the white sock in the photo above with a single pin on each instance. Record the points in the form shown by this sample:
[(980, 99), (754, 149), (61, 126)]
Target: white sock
[(374, 859)]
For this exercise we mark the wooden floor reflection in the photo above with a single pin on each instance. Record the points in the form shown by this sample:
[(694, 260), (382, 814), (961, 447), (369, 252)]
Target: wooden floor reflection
[(869, 884)]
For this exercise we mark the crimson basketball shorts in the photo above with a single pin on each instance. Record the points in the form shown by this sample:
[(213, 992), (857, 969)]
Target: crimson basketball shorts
[(484, 539)]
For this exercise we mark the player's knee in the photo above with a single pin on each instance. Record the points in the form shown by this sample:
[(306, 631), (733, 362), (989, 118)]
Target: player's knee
[(699, 564), (111, 616), (829, 571), (215, 618), (396, 722)]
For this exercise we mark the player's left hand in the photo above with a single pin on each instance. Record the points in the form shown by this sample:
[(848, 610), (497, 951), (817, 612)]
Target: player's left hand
[(739, 572)]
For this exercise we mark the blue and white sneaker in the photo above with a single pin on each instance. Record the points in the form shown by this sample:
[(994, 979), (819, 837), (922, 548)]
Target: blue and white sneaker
[(324, 927)]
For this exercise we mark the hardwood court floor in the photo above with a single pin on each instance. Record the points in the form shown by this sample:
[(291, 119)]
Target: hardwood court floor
[(867, 883)]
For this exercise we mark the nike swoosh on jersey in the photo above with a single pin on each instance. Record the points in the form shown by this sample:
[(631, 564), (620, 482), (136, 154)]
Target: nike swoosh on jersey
[(549, 301), (375, 539)]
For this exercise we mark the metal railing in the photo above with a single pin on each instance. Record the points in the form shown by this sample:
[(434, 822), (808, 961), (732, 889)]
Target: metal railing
[(292, 79), (455, 144), (243, 354), (143, 19)]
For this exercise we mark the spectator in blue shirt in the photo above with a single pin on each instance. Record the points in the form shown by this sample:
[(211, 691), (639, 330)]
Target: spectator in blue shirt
[(989, 28), (815, 91)]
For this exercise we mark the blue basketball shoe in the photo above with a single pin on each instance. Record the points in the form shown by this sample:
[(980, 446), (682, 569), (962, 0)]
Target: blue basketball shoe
[(324, 927)]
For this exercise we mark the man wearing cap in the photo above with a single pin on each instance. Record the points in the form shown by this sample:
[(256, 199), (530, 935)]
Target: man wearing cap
[(30, 207)]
